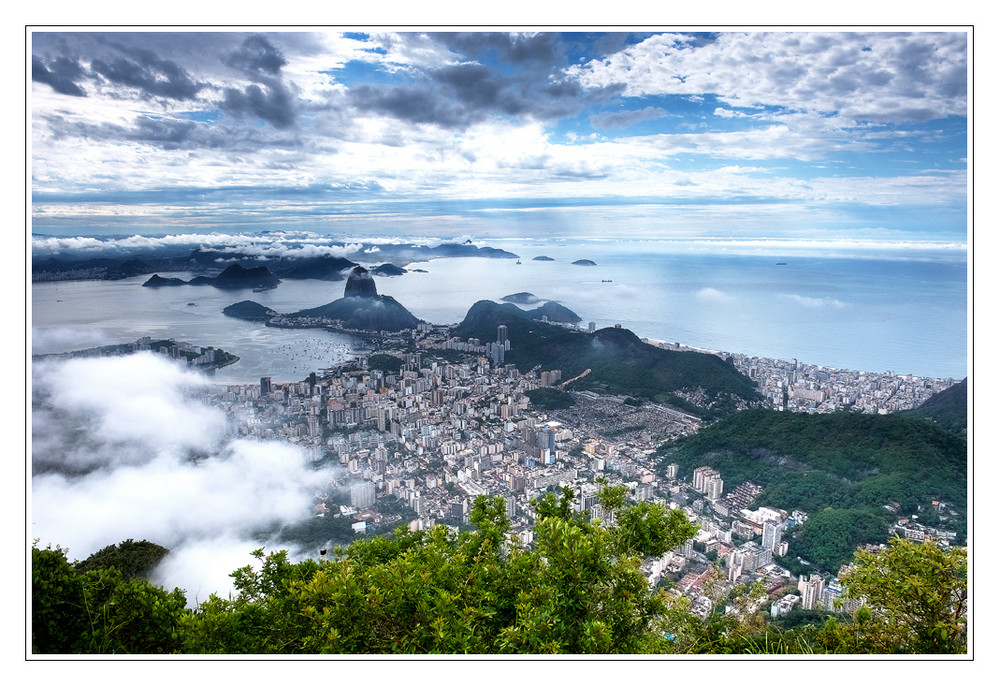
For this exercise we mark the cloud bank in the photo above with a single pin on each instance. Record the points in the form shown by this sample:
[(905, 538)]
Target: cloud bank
[(124, 448)]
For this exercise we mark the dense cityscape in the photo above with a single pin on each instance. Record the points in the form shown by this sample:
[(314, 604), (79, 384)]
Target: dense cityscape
[(430, 422)]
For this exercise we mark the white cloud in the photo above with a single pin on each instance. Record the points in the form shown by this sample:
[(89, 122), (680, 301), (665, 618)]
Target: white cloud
[(714, 296), (123, 448), (813, 302), (59, 339), (866, 76)]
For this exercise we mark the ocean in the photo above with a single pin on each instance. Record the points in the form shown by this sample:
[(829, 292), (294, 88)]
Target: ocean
[(876, 311)]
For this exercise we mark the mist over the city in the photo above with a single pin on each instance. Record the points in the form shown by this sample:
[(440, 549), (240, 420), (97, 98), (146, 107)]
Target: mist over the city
[(122, 448)]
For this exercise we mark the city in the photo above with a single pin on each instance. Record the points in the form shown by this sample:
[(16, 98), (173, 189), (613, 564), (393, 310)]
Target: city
[(453, 422)]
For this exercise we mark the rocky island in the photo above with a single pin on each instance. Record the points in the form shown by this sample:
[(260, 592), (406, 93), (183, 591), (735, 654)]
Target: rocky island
[(361, 309)]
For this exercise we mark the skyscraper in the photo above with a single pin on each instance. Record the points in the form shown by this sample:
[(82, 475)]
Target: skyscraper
[(502, 334), (773, 531)]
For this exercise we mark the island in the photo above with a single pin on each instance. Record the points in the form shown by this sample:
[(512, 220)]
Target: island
[(361, 309), (249, 310), (388, 270), (522, 298), (587, 263)]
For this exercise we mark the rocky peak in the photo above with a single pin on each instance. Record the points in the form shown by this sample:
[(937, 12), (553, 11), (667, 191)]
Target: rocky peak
[(360, 284)]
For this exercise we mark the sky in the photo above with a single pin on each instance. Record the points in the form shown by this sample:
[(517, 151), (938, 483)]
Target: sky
[(794, 134)]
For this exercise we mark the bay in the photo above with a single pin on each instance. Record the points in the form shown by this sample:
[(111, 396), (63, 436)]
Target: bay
[(905, 313)]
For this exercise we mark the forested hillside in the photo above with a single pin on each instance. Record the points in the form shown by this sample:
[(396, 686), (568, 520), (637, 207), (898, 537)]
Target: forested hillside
[(853, 473)]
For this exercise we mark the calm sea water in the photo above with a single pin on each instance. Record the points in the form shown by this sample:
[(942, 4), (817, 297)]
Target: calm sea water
[(906, 315)]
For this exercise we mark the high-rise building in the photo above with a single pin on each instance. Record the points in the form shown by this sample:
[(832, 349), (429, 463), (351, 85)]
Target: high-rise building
[(812, 591), (502, 334), (362, 495), (771, 537), (265, 386), (714, 488)]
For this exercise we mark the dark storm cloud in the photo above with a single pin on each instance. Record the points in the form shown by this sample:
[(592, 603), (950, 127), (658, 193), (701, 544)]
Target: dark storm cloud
[(418, 105), (151, 75), (480, 88), (518, 49), (256, 54), (273, 103), (177, 134), (62, 75)]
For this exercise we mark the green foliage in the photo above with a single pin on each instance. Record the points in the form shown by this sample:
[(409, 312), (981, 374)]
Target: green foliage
[(383, 361), (830, 537), (99, 610), (548, 398), (132, 559), (578, 590), (847, 461), (948, 408), (918, 594)]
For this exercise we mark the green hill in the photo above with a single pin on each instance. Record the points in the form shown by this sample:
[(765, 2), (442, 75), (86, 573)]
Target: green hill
[(619, 362), (948, 408), (851, 462)]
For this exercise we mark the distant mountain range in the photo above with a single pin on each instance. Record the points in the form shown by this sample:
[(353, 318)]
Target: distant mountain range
[(125, 263), (233, 277)]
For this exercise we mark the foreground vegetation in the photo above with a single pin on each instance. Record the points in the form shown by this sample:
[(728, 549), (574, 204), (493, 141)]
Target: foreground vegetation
[(578, 590)]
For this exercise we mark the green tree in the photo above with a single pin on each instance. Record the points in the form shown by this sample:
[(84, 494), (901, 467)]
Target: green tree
[(99, 611), (915, 597)]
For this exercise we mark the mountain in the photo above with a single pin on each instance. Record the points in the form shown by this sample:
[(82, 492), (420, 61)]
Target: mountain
[(233, 277), (468, 250), (388, 270), (157, 281), (238, 277), (948, 408), (249, 310), (555, 313), (360, 284), (619, 362), (854, 468), (325, 268), (362, 308)]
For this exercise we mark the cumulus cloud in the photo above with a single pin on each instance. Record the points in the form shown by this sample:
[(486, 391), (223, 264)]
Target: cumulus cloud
[(124, 448), (867, 76)]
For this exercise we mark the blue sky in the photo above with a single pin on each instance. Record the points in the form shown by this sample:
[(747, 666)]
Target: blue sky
[(796, 135)]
